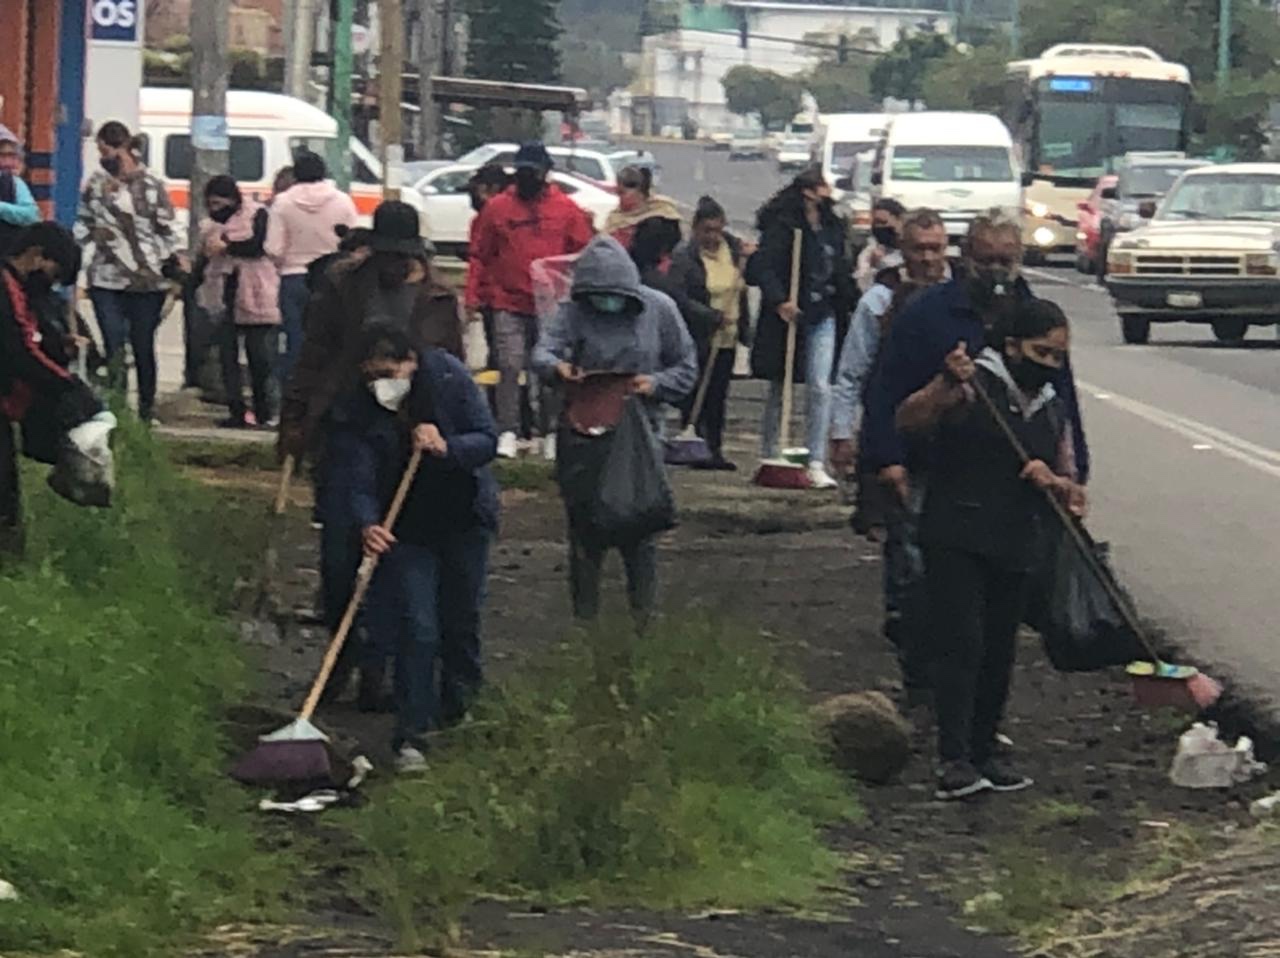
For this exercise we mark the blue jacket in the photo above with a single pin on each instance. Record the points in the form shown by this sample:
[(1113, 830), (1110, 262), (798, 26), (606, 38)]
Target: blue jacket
[(918, 342), (369, 446)]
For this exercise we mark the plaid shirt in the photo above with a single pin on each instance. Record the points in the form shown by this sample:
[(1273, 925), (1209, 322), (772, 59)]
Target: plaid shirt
[(129, 225)]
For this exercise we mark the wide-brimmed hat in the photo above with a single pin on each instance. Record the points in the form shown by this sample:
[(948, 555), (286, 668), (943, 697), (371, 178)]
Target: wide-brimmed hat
[(533, 156), (397, 229)]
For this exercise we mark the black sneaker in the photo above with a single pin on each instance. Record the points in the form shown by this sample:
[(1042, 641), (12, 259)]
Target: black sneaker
[(959, 780), (1004, 778)]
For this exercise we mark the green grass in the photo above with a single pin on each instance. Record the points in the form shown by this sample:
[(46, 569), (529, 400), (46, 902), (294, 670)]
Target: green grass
[(119, 828), (680, 770), (222, 454)]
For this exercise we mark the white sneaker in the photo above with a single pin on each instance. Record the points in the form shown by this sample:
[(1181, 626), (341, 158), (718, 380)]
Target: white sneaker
[(507, 446), (818, 477), (549, 447), (410, 761)]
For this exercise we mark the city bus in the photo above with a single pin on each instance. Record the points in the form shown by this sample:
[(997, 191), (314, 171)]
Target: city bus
[(1074, 113)]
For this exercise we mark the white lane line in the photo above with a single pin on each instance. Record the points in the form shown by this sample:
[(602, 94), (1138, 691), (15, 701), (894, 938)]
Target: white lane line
[(1056, 279), (1203, 436)]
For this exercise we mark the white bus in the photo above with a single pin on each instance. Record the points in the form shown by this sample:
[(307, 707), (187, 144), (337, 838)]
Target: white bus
[(1074, 112)]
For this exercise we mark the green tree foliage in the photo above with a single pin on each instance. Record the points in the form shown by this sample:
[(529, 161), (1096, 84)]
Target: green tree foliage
[(594, 65), (900, 73), (515, 41), (968, 79), (770, 96), (841, 87)]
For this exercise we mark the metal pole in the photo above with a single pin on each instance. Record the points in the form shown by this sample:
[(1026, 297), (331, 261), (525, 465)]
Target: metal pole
[(390, 94), (209, 78), (342, 62), (1015, 29), (1224, 43), (301, 41), (433, 57)]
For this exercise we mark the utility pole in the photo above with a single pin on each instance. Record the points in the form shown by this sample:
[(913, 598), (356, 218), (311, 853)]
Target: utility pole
[(390, 94), (1015, 29), (211, 146), (340, 90), (433, 57), (1224, 44), (299, 43)]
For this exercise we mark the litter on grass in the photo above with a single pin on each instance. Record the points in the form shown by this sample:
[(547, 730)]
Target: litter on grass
[(7, 891), (1205, 761)]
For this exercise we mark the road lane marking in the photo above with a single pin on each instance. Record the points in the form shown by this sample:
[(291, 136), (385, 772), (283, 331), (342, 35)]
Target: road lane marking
[(1055, 279), (1261, 458)]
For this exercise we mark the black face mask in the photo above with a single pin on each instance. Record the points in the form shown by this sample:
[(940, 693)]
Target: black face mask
[(1030, 375), (987, 284), (529, 183), (112, 165), (224, 215), (886, 236)]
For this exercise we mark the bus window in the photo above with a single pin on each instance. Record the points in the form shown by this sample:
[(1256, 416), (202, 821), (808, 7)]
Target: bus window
[(248, 158)]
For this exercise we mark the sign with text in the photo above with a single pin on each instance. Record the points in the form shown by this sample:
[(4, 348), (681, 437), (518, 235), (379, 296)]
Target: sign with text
[(115, 21)]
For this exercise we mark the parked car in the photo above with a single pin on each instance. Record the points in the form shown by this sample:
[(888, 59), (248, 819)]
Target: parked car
[(1089, 224), (720, 140), (1209, 253), (641, 159), (447, 203), (794, 154), (1141, 177), (593, 164), (747, 145)]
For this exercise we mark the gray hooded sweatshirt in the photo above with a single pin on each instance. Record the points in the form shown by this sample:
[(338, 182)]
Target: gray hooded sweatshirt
[(652, 342)]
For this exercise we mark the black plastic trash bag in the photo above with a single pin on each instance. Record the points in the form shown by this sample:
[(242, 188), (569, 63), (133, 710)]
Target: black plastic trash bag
[(634, 499), (1076, 617)]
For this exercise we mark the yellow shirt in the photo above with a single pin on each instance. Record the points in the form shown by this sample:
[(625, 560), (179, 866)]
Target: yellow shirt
[(724, 288)]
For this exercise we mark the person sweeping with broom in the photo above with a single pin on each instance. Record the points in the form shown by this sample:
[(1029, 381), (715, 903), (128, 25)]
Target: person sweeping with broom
[(984, 516)]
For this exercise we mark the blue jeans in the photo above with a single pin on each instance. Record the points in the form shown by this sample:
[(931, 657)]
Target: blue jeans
[(427, 603), (131, 318), (820, 357), (294, 297)]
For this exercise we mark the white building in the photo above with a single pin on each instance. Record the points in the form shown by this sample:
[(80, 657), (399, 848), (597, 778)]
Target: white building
[(681, 71)]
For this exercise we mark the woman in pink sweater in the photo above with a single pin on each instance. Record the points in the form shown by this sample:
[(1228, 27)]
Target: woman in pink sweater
[(304, 220)]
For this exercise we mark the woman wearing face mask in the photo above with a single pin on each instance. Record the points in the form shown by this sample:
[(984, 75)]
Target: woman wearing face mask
[(242, 290), (126, 218), (883, 251), (424, 607), (984, 514), (826, 295), (17, 206), (636, 204)]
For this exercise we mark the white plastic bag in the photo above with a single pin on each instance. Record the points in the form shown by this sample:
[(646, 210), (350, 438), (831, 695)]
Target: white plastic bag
[(85, 470), (476, 348), (1205, 761)]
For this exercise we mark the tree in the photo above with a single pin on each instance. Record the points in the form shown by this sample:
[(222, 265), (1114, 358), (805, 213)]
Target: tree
[(513, 41), (770, 96), (900, 72), (841, 87), (968, 79), (593, 65)]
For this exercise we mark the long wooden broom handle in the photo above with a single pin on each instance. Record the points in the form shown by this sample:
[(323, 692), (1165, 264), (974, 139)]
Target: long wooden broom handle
[(286, 478), (701, 398), (788, 374), (1069, 521), (363, 578)]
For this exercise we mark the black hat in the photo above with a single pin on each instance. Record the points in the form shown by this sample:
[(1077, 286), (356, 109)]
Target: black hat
[(396, 229)]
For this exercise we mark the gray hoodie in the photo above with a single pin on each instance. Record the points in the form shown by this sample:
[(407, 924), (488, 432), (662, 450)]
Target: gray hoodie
[(652, 342)]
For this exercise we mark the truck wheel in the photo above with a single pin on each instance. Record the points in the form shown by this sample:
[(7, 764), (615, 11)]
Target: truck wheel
[(1136, 330), (1230, 330)]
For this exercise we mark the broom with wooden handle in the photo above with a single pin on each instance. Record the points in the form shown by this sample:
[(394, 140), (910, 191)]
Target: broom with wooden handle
[(299, 751), (782, 473)]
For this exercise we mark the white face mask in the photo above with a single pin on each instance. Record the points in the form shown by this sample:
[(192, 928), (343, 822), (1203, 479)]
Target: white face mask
[(391, 393)]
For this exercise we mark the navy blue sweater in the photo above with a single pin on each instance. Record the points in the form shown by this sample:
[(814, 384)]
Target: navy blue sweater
[(918, 343)]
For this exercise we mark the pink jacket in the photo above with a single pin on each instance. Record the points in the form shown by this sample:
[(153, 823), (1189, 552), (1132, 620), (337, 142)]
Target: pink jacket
[(258, 281), (302, 223)]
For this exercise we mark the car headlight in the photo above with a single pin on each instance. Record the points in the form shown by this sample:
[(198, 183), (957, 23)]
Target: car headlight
[(1261, 264), (1038, 210), (1119, 262), (1043, 236)]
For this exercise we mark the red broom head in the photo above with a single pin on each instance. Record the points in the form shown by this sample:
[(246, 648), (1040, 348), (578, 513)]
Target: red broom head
[(782, 475)]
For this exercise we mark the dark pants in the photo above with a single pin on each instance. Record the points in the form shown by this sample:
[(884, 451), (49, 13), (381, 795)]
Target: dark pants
[(586, 557), (294, 297), (427, 610), (11, 534), (260, 346), (975, 605), (906, 620), (131, 318), (710, 424)]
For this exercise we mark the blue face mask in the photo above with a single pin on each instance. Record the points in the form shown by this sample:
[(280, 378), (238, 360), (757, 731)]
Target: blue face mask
[(611, 303)]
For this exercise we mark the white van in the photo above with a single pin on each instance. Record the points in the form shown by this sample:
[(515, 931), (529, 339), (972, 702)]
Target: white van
[(266, 130), (960, 164), (844, 136)]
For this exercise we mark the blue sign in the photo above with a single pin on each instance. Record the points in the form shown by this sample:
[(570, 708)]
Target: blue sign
[(114, 21), (1071, 85)]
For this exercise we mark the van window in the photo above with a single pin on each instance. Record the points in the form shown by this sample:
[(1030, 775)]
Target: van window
[(951, 164), (318, 145), (248, 158), (843, 154)]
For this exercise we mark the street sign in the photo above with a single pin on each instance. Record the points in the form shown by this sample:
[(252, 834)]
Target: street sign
[(115, 21)]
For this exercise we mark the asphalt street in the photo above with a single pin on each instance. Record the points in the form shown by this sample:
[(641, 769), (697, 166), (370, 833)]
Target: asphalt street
[(1185, 439)]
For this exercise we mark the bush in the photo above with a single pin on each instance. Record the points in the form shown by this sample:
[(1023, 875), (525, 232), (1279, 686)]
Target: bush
[(681, 770), (115, 824)]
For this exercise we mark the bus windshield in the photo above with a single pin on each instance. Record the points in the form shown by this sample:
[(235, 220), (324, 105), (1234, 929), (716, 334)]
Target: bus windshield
[(952, 164)]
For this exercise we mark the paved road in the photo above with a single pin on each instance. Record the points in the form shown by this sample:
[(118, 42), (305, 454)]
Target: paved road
[(1186, 444)]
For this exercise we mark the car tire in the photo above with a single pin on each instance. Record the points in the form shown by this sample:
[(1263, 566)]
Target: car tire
[(1230, 330), (1136, 330)]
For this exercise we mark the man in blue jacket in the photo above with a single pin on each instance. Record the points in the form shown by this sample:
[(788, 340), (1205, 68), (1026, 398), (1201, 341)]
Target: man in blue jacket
[(426, 599)]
